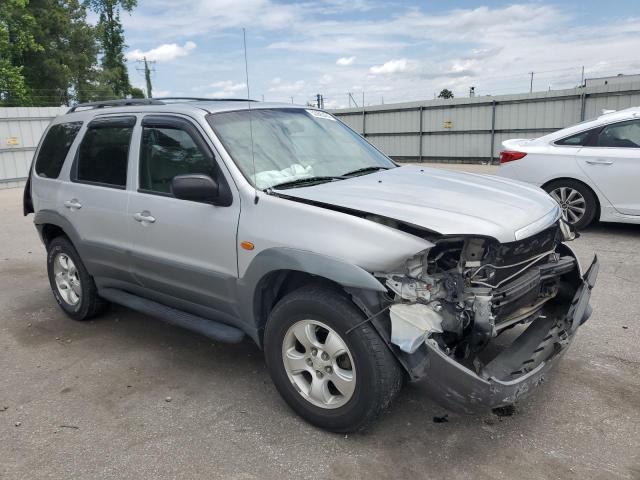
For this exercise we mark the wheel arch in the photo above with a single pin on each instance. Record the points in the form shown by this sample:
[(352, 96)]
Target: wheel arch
[(596, 195), (49, 231), (51, 224), (276, 272)]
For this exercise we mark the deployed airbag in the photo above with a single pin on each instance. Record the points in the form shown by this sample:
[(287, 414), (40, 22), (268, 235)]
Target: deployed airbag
[(412, 323)]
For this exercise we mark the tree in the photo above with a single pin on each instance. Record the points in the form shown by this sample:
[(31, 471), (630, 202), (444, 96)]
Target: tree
[(111, 35), (83, 61), (137, 92), (65, 67), (445, 93), (49, 54), (16, 39)]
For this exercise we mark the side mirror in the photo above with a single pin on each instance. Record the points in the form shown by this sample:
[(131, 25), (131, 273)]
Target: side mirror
[(196, 187)]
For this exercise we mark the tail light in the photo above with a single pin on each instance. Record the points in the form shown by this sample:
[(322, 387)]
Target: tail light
[(510, 156)]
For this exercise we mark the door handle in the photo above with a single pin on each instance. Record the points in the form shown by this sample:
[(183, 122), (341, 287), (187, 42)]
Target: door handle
[(599, 161), (74, 203), (144, 217)]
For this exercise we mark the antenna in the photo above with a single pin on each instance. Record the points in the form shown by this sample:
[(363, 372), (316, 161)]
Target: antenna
[(246, 73)]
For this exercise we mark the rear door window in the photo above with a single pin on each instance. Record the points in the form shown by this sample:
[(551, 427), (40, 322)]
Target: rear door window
[(620, 135), (104, 152), (55, 147)]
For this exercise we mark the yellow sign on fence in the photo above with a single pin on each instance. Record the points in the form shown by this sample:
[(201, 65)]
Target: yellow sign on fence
[(12, 141), (447, 124)]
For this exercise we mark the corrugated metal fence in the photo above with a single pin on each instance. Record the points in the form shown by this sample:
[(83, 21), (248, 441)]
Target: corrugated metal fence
[(20, 132), (469, 130)]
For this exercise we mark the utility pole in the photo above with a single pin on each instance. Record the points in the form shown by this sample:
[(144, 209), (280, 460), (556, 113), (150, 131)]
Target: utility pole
[(351, 99), (582, 77), (147, 74), (531, 85), (147, 78), (291, 99), (320, 101)]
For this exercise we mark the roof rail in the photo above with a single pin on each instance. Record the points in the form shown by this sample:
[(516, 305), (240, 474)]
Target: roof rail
[(125, 102), (198, 99)]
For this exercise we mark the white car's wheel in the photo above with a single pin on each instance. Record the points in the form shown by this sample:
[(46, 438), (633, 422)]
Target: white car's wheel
[(578, 203)]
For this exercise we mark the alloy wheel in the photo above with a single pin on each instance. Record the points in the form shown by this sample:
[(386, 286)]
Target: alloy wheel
[(319, 364), (572, 203), (67, 279)]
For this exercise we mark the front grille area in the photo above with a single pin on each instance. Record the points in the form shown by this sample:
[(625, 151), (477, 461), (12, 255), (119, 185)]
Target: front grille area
[(521, 250)]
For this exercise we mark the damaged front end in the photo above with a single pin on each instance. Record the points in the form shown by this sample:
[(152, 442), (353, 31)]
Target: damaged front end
[(481, 321)]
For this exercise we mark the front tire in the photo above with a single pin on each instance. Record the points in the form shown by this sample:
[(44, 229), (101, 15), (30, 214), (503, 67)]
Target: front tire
[(335, 380), (72, 286)]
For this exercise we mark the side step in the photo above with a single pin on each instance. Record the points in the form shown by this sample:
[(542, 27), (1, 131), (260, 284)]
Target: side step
[(208, 328)]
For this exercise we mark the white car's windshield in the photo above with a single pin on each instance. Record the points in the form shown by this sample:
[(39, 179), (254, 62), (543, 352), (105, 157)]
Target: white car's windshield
[(294, 146)]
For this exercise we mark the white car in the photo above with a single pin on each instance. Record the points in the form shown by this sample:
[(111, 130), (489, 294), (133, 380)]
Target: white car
[(591, 169)]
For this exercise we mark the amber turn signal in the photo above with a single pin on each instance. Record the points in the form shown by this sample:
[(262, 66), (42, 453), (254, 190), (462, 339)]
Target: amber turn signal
[(247, 245)]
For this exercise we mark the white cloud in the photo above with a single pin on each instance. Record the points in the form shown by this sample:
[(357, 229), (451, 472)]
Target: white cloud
[(302, 48), (339, 44), (284, 87), (325, 79), (344, 61), (163, 53), (195, 17), (390, 67), (227, 88)]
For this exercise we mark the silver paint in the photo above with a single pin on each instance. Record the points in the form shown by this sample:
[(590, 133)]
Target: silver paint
[(447, 202)]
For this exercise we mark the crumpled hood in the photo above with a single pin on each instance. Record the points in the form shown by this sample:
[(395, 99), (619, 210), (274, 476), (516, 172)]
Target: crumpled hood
[(443, 201)]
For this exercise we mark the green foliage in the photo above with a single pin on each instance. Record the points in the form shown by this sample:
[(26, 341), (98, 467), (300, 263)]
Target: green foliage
[(111, 35), (137, 92), (445, 93), (49, 53), (64, 69), (16, 39)]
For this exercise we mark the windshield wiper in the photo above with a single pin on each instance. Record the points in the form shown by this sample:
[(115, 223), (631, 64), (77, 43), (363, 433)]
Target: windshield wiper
[(363, 171), (303, 181)]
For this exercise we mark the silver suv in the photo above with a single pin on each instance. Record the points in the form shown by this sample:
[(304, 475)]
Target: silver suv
[(280, 223)]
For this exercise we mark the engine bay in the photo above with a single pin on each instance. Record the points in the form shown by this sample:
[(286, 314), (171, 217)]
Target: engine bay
[(464, 292)]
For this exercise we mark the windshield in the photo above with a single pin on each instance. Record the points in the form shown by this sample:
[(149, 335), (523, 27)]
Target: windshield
[(290, 145)]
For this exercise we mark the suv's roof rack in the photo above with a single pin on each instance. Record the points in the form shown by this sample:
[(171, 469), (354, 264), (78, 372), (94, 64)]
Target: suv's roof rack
[(116, 103), (199, 99), (126, 102)]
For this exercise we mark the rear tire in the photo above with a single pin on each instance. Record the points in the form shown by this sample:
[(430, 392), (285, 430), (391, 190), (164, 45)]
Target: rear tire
[(72, 286), (579, 204), (365, 359)]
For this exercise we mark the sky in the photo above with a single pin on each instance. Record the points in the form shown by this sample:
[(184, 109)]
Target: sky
[(392, 51)]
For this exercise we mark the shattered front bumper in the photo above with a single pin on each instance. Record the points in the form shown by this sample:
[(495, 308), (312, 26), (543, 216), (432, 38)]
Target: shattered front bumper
[(461, 389)]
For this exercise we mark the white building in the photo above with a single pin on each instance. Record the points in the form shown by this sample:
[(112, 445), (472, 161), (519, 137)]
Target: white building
[(615, 80)]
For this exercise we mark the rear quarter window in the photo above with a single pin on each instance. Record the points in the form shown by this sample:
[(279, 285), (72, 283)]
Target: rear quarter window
[(577, 140), (55, 148)]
